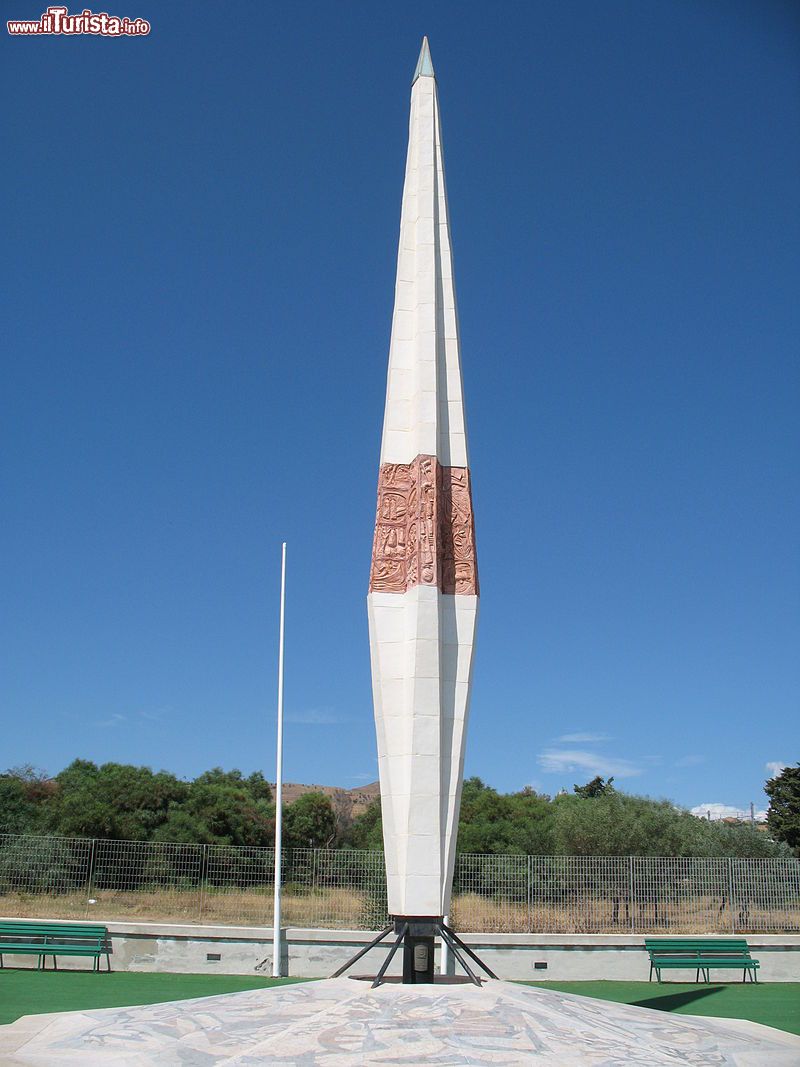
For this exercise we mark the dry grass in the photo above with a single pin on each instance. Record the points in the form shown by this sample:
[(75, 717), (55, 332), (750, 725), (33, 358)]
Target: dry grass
[(331, 908), (349, 909), (472, 912)]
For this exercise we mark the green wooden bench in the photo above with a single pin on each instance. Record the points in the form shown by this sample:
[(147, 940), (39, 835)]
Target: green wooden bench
[(43, 939), (700, 954)]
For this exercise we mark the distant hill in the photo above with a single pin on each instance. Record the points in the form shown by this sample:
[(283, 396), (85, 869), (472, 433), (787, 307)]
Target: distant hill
[(347, 803)]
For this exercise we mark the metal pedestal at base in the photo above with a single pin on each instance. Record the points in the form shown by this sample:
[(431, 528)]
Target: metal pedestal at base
[(418, 950), (417, 934)]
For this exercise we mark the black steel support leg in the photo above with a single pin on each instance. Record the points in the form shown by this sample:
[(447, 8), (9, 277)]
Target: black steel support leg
[(375, 941), (388, 960), (454, 949), (454, 937), (413, 931)]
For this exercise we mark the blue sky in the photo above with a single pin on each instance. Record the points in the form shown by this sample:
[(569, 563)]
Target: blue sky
[(200, 231)]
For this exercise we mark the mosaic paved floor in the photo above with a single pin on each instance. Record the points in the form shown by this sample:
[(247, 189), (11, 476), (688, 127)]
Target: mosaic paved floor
[(343, 1022)]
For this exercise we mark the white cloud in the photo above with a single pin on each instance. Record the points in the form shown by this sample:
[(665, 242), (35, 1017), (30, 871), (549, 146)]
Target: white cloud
[(716, 811), (690, 761), (113, 720), (774, 768), (152, 716), (582, 738), (568, 760)]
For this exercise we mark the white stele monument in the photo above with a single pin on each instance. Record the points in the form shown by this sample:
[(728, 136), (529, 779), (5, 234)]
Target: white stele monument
[(422, 606), (423, 590)]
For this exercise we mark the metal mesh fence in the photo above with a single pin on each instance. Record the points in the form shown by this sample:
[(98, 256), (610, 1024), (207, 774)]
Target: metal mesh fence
[(579, 894), (766, 894), (490, 893), (686, 895), (238, 885), (38, 873), (52, 877), (134, 879)]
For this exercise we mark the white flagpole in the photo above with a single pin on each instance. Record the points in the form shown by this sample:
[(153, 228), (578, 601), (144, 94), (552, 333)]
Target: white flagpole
[(444, 957), (276, 911)]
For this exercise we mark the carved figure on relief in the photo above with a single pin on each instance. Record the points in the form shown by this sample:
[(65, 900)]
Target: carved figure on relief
[(424, 529)]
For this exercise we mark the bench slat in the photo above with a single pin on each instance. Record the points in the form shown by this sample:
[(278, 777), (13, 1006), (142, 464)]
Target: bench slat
[(708, 961), (51, 950)]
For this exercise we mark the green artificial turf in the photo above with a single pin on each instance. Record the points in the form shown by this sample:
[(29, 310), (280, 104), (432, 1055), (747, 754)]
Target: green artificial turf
[(771, 1003), (31, 992)]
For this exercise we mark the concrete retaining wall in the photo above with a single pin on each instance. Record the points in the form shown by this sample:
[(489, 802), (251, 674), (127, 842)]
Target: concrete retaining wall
[(318, 953)]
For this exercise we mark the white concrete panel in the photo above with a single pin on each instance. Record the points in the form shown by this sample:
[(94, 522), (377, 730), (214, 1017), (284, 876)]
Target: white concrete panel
[(425, 695), (458, 618), (422, 617), (423, 657), (393, 695), (425, 768), (398, 414), (397, 734), (422, 894), (393, 624), (423, 858), (424, 738), (391, 658)]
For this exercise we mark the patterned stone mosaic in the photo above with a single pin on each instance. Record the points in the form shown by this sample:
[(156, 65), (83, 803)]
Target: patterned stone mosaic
[(345, 1023)]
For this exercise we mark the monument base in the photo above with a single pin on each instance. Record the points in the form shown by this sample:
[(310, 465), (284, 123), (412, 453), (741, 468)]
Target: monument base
[(417, 934)]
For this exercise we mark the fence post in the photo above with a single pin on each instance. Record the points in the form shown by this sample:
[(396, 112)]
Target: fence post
[(203, 877), (630, 894), (90, 878), (530, 895), (730, 894)]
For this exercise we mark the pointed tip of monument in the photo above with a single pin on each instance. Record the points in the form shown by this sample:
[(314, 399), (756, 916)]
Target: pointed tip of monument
[(424, 68)]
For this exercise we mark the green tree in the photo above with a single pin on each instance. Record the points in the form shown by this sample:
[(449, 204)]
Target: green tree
[(22, 792), (366, 830), (222, 808), (783, 816), (310, 822), (598, 787), (497, 823), (120, 801), (115, 800), (530, 828), (256, 786), (618, 824)]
